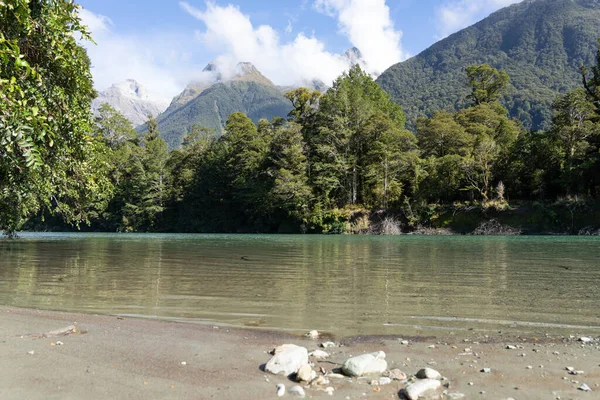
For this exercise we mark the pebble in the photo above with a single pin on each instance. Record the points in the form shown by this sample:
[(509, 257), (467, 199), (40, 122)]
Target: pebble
[(320, 381), (511, 347), (529, 367), (405, 342), (327, 345), (397, 375), (287, 360), (576, 372), (183, 363), (585, 339), (584, 388), (414, 391), (313, 334), (305, 374), (297, 391), (280, 390), (365, 364), (59, 343), (319, 354), (455, 395), (428, 373), (329, 390), (486, 370), (31, 352), (380, 382)]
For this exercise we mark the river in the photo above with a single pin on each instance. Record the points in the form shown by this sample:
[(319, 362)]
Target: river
[(346, 285)]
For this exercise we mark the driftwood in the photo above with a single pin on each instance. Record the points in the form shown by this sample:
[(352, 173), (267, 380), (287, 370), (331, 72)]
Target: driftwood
[(61, 332), (57, 333)]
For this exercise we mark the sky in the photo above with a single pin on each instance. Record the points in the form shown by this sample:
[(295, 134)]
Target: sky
[(165, 44)]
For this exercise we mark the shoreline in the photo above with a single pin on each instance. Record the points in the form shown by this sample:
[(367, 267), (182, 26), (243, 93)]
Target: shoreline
[(116, 357)]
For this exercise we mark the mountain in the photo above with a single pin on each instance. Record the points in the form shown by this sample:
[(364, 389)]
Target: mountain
[(132, 100), (209, 102), (540, 43)]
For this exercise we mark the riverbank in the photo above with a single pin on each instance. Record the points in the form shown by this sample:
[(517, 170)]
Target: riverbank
[(110, 357)]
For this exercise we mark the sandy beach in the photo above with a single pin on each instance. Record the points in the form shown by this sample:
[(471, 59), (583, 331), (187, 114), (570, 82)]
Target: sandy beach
[(110, 357)]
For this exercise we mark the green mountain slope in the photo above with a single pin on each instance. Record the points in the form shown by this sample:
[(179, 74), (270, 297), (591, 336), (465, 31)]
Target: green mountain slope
[(540, 43), (214, 105)]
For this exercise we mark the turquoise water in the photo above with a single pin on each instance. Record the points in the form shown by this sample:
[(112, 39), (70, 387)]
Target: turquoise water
[(345, 285)]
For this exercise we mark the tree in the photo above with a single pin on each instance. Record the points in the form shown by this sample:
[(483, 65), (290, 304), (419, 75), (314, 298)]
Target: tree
[(441, 135), (340, 144), (574, 130), (390, 164), (47, 155), (113, 127), (287, 166), (487, 83)]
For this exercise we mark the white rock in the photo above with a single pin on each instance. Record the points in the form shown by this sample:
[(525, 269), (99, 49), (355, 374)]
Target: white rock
[(585, 388), (585, 339), (320, 381), (287, 361), (319, 354), (282, 348), (183, 363), (297, 391), (417, 389), (306, 374), (280, 390), (455, 395), (486, 370), (511, 347), (313, 334), (327, 345), (397, 375), (59, 343), (365, 364), (428, 373), (329, 390), (31, 352), (381, 381)]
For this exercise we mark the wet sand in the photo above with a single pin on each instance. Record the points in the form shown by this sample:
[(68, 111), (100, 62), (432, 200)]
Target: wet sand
[(113, 358)]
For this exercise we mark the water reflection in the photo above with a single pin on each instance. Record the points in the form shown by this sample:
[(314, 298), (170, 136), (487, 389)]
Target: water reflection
[(346, 285)]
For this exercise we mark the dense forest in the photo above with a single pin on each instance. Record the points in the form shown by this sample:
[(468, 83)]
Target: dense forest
[(541, 44), (338, 155)]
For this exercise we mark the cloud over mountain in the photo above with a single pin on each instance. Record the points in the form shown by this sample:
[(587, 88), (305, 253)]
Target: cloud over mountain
[(455, 15)]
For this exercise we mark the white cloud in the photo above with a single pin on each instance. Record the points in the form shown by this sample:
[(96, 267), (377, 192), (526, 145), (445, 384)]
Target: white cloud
[(158, 61), (231, 33), (366, 23), (458, 14), (369, 27)]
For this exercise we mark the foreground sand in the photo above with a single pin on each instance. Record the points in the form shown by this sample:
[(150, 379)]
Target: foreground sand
[(112, 358)]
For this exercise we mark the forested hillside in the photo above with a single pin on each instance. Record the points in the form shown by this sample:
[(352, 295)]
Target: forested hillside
[(209, 102), (212, 107), (541, 44)]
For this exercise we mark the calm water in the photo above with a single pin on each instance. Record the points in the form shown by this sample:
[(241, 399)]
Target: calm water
[(346, 285)]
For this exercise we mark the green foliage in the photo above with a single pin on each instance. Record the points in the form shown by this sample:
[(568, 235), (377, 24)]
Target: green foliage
[(541, 44), (213, 106), (487, 83), (47, 156)]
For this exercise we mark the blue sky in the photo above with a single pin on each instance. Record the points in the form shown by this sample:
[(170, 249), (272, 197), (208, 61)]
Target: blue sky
[(164, 44)]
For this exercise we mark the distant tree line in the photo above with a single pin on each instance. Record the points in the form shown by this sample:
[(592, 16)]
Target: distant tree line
[(348, 150)]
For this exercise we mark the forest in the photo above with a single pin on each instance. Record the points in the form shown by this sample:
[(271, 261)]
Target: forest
[(342, 153), (338, 155)]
